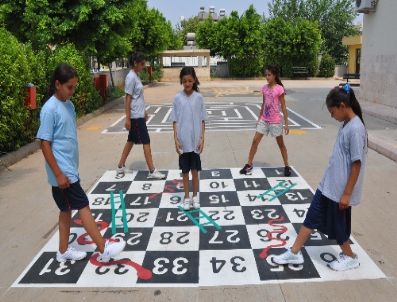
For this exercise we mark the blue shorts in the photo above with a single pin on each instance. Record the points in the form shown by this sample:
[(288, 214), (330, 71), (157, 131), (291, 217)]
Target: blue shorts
[(189, 161), (72, 198), (325, 216), (138, 133)]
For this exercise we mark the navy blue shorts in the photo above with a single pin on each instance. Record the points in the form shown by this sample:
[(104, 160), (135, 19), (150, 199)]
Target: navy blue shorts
[(189, 161), (325, 216), (138, 133), (72, 198)]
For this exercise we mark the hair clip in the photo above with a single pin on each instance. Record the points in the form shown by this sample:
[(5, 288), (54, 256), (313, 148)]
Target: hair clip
[(346, 87)]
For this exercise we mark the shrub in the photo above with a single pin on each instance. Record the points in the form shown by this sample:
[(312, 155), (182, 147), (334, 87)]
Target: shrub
[(86, 98), (15, 73), (327, 66)]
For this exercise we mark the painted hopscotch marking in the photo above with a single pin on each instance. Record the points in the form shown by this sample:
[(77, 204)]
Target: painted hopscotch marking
[(221, 117), (234, 243)]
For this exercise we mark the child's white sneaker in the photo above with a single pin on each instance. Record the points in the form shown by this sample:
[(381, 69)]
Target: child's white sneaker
[(112, 249), (71, 254), (289, 257), (156, 175), (196, 202), (344, 263), (186, 204), (120, 172)]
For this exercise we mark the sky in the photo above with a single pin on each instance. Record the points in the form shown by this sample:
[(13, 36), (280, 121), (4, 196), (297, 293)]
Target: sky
[(173, 10)]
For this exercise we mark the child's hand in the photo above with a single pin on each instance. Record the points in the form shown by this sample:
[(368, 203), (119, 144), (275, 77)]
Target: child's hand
[(63, 181), (127, 124), (344, 202), (200, 147), (286, 129), (146, 116), (178, 146)]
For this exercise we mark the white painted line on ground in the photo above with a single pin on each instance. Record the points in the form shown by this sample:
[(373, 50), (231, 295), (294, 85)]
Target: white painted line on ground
[(252, 113), (239, 116), (166, 115), (305, 119)]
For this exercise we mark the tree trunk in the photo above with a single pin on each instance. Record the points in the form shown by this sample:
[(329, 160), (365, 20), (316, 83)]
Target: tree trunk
[(111, 74)]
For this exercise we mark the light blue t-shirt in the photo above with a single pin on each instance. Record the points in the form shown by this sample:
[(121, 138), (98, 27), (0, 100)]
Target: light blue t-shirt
[(350, 146), (188, 112), (134, 87), (58, 126)]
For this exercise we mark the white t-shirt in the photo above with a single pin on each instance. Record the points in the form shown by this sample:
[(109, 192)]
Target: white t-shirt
[(350, 146), (134, 87)]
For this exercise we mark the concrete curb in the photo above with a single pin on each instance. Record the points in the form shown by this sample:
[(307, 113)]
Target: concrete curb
[(382, 112), (13, 157), (382, 146)]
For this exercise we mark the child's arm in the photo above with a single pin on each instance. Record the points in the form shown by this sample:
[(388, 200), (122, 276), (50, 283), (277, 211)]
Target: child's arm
[(178, 145), (127, 109), (200, 147), (262, 108), (354, 173), (285, 113), (62, 180)]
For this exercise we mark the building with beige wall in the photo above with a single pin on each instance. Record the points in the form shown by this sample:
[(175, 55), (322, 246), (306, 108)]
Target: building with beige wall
[(379, 55), (354, 45)]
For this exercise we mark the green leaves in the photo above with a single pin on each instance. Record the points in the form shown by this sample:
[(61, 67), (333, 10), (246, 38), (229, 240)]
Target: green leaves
[(335, 19), (292, 44), (238, 39)]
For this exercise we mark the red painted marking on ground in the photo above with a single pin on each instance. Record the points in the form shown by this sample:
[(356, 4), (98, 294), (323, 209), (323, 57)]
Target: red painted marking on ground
[(142, 272), (82, 240), (282, 229), (167, 189)]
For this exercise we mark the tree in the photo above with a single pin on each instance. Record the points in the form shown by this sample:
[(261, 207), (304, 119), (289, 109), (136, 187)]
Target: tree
[(151, 33), (292, 44), (187, 26), (335, 18), (106, 29), (206, 35), (238, 39)]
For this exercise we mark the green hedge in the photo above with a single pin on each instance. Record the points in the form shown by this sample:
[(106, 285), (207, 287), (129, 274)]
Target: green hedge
[(327, 66), (17, 124), (19, 65), (85, 98)]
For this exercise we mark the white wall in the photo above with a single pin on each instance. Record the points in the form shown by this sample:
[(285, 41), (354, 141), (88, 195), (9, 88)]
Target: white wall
[(379, 55)]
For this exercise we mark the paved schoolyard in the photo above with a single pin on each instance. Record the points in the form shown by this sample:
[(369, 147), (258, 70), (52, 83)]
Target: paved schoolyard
[(28, 217)]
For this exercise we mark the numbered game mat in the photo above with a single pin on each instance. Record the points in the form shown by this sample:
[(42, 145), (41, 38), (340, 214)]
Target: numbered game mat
[(243, 222)]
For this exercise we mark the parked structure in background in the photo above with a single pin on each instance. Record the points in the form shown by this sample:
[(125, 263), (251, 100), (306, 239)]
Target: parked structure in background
[(378, 68), (203, 14)]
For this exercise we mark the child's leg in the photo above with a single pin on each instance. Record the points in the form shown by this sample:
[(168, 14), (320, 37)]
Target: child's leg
[(254, 147), (126, 151), (186, 184), (346, 249), (303, 236), (195, 180), (283, 149), (64, 230), (148, 156), (91, 228)]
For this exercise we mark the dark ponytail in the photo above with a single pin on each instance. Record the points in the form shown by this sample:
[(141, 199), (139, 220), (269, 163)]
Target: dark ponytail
[(347, 96), (136, 57), (275, 71), (190, 71), (62, 73)]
